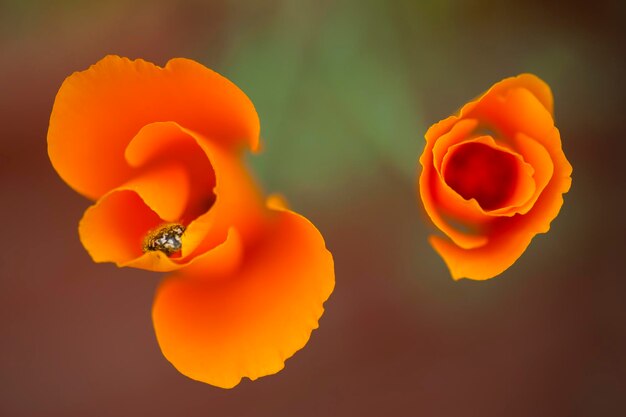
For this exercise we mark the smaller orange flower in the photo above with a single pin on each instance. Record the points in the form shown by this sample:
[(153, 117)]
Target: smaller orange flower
[(160, 152), (493, 176)]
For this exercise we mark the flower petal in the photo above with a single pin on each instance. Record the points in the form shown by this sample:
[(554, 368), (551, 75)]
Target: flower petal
[(529, 82), (247, 323), (515, 111), (165, 189), (430, 180), (238, 200), (112, 232), (113, 229), (539, 158), (98, 111), (486, 261), (162, 143)]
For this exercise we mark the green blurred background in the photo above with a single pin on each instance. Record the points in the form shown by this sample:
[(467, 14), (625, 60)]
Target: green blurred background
[(345, 91)]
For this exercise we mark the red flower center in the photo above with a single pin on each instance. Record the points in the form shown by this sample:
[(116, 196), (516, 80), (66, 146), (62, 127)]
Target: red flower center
[(489, 175)]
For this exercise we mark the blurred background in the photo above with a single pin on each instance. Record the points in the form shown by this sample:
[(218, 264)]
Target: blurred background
[(345, 91)]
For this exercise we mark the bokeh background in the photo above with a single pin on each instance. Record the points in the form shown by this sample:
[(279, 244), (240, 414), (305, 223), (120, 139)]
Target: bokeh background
[(345, 91)]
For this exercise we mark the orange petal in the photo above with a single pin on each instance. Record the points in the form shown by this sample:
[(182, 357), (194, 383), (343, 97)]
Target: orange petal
[(515, 111), (440, 128), (529, 82), (247, 323), (430, 180), (549, 202), (452, 204), (98, 111), (165, 189), (114, 228), (460, 132), (486, 261), (539, 158), (112, 234), (164, 143), (238, 200)]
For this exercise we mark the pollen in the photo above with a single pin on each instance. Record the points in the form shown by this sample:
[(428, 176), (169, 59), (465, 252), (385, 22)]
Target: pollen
[(165, 238)]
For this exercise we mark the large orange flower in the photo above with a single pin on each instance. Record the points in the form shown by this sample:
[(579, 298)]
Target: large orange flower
[(493, 177), (160, 152)]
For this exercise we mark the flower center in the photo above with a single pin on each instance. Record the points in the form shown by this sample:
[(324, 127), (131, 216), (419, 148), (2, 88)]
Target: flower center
[(489, 175), (165, 238)]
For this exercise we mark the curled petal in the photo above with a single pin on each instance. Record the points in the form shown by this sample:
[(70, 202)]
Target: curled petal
[(460, 132), (112, 232), (98, 111), (430, 181), (159, 144), (238, 201), (439, 129), (165, 189), (515, 111), (486, 261), (538, 157), (113, 229), (247, 322), (529, 82), (549, 202)]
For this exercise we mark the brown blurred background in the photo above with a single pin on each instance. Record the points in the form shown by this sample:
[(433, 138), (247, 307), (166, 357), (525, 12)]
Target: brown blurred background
[(345, 91)]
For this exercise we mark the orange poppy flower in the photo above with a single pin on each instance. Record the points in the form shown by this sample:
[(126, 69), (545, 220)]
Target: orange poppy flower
[(493, 176), (160, 152)]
